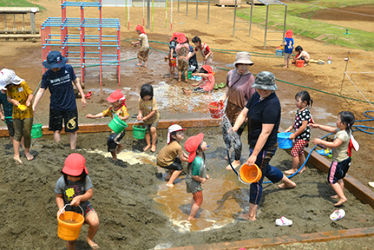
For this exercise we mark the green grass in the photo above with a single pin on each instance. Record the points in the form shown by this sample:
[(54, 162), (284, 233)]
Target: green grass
[(16, 3), (298, 21)]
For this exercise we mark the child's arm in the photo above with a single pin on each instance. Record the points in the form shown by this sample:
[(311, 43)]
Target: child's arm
[(201, 74), (183, 156), (125, 117), (149, 116), (29, 99), (289, 129), (324, 127), (299, 130), (59, 201), (199, 179), (84, 197), (13, 101), (208, 55), (171, 52), (79, 87), (334, 144), (2, 117), (91, 116)]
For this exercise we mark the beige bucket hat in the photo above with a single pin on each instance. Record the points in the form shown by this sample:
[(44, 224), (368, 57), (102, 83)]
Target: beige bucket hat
[(243, 58)]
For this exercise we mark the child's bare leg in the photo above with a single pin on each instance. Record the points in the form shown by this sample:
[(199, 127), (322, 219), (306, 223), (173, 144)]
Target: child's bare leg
[(302, 160), (114, 155), (154, 139), (173, 177), (286, 183), (197, 201), (148, 141), (16, 156), (295, 165), (70, 245), (57, 136), (28, 155), (251, 213), (185, 75), (340, 192), (179, 76), (93, 221), (73, 140), (119, 148)]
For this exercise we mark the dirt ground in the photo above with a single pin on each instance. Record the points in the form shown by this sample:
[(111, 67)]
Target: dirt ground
[(24, 58)]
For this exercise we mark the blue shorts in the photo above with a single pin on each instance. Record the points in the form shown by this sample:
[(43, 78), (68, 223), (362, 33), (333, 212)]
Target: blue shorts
[(338, 170), (272, 173)]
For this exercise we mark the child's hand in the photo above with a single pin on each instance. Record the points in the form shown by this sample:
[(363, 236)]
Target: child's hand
[(2, 117), (28, 103), (207, 177), (292, 136), (139, 117), (313, 125), (76, 201), (89, 116), (203, 180)]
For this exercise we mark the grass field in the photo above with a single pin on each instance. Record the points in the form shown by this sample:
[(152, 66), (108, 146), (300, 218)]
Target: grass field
[(298, 21), (16, 3)]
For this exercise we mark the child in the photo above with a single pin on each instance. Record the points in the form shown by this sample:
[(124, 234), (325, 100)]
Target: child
[(341, 152), (182, 50), (301, 55), (6, 114), (144, 46), (288, 47), (204, 49), (195, 145), (74, 188), (149, 114), (302, 130), (192, 61), (117, 100), (207, 79), (172, 54), (20, 95), (172, 155)]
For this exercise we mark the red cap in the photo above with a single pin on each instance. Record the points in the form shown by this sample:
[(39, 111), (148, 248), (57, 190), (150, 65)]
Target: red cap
[(115, 96), (208, 68), (289, 34), (181, 38), (192, 145), (140, 28), (74, 165)]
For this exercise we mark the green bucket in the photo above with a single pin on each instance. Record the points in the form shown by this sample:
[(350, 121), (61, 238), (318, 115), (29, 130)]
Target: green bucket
[(138, 132), (36, 130), (117, 125), (189, 74)]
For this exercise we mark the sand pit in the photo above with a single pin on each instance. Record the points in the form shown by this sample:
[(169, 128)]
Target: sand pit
[(125, 194)]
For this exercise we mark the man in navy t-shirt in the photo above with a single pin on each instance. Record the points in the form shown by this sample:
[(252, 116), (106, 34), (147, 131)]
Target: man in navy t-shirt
[(59, 79)]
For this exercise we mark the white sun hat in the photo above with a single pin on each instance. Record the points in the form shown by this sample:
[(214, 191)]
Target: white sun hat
[(173, 128)]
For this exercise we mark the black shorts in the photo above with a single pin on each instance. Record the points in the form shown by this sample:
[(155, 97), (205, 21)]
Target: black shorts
[(9, 124), (176, 165), (70, 119), (114, 139), (338, 170)]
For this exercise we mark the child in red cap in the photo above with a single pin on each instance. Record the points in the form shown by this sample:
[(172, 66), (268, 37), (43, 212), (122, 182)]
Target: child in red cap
[(144, 46), (172, 57), (73, 189), (207, 79), (196, 173), (182, 50), (288, 47), (118, 107)]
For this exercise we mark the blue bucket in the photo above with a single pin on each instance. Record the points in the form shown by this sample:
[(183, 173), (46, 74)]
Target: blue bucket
[(284, 140)]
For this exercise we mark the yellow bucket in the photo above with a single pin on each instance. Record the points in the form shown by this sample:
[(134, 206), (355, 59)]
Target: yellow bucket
[(249, 173), (69, 224)]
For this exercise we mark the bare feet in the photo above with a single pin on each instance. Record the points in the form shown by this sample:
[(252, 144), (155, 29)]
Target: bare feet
[(286, 185), (190, 218), (195, 84), (235, 164), (246, 217), (139, 64), (334, 196), (170, 185), (340, 202), (290, 171), (17, 159), (29, 156), (153, 148), (92, 244), (146, 148)]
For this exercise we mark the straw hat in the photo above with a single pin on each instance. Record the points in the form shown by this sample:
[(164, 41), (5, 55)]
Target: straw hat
[(265, 80), (192, 144), (75, 164), (243, 58)]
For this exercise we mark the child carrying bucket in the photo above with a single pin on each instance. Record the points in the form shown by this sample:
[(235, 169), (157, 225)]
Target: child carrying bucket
[(302, 130), (118, 108), (196, 173), (301, 55), (341, 152), (171, 156), (144, 46), (149, 115), (207, 79), (73, 189)]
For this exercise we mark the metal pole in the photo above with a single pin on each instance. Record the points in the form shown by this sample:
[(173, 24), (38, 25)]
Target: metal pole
[(345, 70), (187, 8), (266, 24), (178, 6), (197, 9), (250, 19), (148, 14), (32, 22), (285, 19), (208, 11), (233, 26)]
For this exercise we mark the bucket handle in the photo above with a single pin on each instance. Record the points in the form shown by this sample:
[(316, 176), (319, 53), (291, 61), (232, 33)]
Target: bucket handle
[(63, 209)]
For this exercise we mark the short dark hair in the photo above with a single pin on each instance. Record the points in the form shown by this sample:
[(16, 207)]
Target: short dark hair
[(299, 48), (82, 177), (145, 90), (196, 39)]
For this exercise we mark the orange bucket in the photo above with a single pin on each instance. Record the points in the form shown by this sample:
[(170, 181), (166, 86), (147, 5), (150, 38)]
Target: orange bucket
[(300, 63), (69, 225), (216, 109), (249, 174)]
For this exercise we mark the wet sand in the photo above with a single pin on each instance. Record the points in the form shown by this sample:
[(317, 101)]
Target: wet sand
[(130, 218)]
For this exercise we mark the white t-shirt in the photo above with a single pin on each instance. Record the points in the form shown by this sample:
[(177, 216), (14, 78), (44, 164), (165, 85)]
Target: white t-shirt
[(144, 40)]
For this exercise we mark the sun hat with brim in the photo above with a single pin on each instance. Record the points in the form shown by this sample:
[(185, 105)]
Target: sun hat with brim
[(181, 39), (243, 58), (8, 76), (171, 129), (75, 164), (192, 144), (115, 96), (140, 28), (265, 80), (54, 60), (208, 68), (289, 34)]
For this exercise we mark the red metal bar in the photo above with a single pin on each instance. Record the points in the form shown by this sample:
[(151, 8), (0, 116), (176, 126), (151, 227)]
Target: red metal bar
[(63, 11)]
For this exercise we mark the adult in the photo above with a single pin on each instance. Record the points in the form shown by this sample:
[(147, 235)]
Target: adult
[(263, 111), (59, 79), (239, 82)]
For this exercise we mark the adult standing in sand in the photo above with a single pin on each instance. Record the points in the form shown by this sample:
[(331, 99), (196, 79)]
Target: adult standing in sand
[(239, 82), (59, 78), (263, 112)]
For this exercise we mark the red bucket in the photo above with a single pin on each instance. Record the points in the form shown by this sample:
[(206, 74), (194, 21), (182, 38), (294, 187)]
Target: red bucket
[(300, 63), (216, 109)]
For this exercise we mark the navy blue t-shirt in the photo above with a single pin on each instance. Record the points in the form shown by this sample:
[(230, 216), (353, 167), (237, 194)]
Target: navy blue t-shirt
[(173, 45), (288, 48), (266, 111), (61, 88)]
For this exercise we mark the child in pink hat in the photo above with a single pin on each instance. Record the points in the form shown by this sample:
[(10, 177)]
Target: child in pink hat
[(207, 79), (144, 46), (182, 50), (196, 173), (118, 107)]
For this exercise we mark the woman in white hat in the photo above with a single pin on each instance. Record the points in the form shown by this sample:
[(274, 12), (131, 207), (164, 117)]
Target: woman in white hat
[(20, 95), (239, 91)]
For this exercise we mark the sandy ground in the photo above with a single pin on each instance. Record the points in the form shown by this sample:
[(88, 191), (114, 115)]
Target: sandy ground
[(138, 209)]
